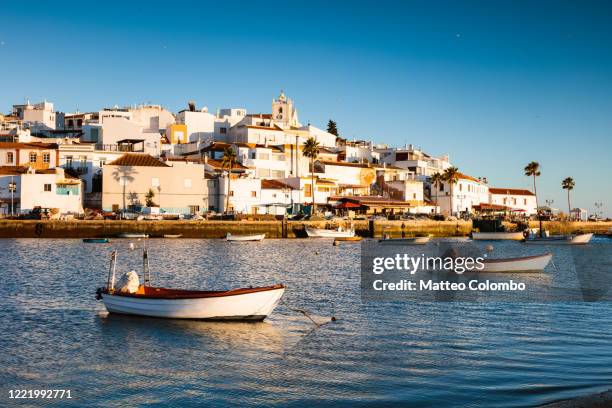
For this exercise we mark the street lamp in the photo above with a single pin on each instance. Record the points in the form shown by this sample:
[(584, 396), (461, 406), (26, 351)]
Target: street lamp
[(12, 188)]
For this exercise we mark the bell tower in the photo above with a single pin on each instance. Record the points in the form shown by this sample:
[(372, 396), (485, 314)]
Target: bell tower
[(283, 112)]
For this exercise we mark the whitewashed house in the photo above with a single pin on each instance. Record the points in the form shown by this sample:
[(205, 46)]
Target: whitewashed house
[(466, 193), (514, 199)]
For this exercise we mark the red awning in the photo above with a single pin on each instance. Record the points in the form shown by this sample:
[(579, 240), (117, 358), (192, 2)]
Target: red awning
[(348, 204)]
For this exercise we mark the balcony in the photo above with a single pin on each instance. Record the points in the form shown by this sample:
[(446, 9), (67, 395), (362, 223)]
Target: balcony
[(120, 148)]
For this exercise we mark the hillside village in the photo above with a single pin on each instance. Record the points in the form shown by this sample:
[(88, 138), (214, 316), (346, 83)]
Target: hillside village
[(147, 160)]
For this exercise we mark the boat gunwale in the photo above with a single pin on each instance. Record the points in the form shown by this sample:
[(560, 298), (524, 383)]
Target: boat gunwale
[(524, 258), (178, 294)]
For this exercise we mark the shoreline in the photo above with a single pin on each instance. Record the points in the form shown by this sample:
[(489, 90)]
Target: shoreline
[(272, 229)]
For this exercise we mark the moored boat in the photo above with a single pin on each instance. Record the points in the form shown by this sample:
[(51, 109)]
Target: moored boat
[(244, 238), (330, 233), (522, 264), (243, 304), (405, 241), (496, 236), (96, 240), (173, 235), (580, 239), (132, 235), (356, 238)]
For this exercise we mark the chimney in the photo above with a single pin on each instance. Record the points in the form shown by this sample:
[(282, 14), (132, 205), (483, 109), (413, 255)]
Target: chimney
[(192, 106)]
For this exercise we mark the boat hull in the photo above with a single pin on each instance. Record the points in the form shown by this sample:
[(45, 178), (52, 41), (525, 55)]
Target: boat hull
[(497, 236), (405, 241), (325, 233), (254, 306), (244, 238), (132, 235), (524, 264), (96, 240), (581, 239)]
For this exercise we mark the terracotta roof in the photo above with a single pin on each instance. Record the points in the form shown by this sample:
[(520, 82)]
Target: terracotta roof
[(275, 184), (12, 170), (510, 191), (260, 115), (466, 177), (217, 164), (31, 145), (138, 160)]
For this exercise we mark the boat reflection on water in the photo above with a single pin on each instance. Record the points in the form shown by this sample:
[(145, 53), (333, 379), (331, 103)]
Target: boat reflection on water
[(262, 336)]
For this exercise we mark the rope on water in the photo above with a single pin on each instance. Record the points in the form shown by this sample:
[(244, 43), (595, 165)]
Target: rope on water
[(305, 313)]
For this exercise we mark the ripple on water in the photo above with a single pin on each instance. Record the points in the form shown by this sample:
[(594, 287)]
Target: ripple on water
[(427, 354)]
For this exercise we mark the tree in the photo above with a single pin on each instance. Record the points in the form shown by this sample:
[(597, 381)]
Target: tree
[(332, 127), (436, 180), (533, 170), (229, 158), (311, 150), (451, 176), (149, 198), (568, 184)]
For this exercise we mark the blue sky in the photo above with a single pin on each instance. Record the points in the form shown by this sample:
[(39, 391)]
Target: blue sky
[(494, 84)]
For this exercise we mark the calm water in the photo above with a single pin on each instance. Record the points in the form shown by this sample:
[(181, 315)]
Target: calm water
[(54, 334)]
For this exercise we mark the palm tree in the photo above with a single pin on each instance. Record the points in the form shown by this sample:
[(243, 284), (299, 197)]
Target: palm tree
[(123, 175), (568, 184), (311, 150), (533, 170), (228, 159), (436, 180), (451, 175)]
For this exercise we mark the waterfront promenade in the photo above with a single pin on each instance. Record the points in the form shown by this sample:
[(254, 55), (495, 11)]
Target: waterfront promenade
[(272, 229)]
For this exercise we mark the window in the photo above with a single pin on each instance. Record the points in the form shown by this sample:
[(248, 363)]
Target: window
[(154, 182), (278, 174), (274, 195), (47, 187), (253, 193), (460, 187), (9, 157), (83, 160), (70, 123), (231, 193), (307, 190), (223, 130), (414, 196), (253, 155), (264, 156), (441, 186), (33, 157), (46, 158), (524, 201), (102, 161), (187, 183), (79, 122), (68, 161), (194, 209)]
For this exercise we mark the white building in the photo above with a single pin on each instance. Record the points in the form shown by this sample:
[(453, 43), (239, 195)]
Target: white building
[(514, 199), (38, 117), (420, 163), (49, 188), (467, 192)]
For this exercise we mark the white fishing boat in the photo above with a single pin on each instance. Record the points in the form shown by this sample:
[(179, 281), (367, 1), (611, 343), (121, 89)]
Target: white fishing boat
[(330, 233), (132, 235), (523, 264), (580, 239), (244, 304), (244, 238), (404, 241), (497, 236)]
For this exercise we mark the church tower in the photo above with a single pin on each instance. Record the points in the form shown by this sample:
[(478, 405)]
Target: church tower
[(283, 112)]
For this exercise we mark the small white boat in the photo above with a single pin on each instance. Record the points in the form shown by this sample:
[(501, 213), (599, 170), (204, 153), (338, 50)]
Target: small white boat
[(244, 304), (330, 233), (496, 236), (404, 241), (132, 235), (523, 264), (453, 239), (244, 238), (581, 239), (173, 235)]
